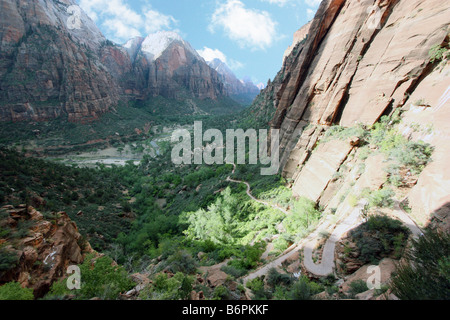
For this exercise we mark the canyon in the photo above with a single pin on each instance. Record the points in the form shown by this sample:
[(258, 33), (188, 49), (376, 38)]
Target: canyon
[(362, 107), (49, 69)]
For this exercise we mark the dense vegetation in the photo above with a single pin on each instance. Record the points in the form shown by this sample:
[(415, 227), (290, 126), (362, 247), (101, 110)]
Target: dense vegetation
[(100, 278), (379, 237), (96, 193), (425, 273), (147, 211), (159, 218)]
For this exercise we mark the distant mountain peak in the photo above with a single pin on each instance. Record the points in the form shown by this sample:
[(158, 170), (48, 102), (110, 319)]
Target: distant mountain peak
[(155, 44)]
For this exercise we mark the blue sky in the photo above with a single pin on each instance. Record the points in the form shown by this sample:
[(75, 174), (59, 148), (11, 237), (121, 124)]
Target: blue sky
[(251, 35)]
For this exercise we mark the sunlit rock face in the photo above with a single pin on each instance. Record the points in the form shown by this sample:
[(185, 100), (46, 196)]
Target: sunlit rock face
[(361, 60)]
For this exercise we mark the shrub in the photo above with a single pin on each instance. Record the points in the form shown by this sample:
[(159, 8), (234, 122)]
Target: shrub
[(356, 287), (274, 278), (13, 291), (221, 293), (280, 244), (425, 274), (257, 287), (99, 278), (165, 288), (437, 53), (8, 260), (234, 271), (182, 261), (382, 198), (304, 289), (379, 237)]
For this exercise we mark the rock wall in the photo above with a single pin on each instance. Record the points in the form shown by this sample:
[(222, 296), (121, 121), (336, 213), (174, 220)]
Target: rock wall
[(362, 60), (48, 70), (352, 69)]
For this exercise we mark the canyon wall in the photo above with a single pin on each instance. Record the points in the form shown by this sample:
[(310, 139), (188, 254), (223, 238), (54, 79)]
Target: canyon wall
[(51, 69), (359, 61)]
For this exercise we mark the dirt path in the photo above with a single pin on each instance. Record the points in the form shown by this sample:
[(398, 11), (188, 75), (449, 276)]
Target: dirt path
[(308, 244), (249, 193)]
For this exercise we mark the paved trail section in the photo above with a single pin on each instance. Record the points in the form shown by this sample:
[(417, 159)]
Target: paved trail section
[(327, 264)]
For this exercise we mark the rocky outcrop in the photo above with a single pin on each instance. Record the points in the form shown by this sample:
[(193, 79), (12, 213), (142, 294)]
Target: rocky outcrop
[(358, 61), (44, 248), (299, 36), (386, 266)]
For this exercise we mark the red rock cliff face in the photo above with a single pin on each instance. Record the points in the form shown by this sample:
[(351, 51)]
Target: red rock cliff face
[(178, 73), (361, 59), (48, 70)]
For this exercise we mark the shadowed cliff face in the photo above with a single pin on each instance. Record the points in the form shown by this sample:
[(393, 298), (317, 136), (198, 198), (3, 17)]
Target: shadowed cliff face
[(47, 69)]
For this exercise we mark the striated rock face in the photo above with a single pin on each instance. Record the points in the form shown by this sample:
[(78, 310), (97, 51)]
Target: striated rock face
[(47, 69), (163, 64), (299, 36), (360, 60), (45, 251)]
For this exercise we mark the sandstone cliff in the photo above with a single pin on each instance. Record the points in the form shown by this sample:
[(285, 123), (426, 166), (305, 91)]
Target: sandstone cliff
[(245, 90), (362, 60), (162, 64), (46, 68)]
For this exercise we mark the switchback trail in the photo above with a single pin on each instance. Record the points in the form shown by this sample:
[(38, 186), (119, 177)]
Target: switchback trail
[(249, 193), (308, 244)]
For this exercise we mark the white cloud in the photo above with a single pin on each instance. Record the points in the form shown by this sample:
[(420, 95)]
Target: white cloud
[(235, 65), (210, 54), (156, 21), (281, 3), (120, 29), (123, 22), (310, 13), (248, 27), (313, 6)]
